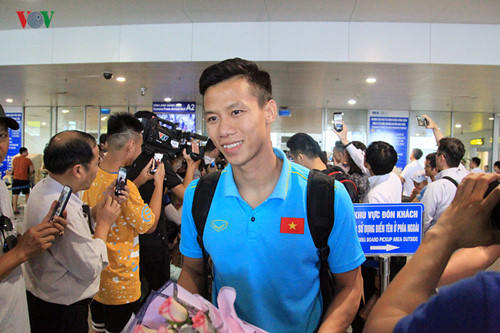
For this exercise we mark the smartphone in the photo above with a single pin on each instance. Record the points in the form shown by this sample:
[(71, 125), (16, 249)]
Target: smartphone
[(121, 181), (156, 163), (337, 121), (62, 202), (421, 121)]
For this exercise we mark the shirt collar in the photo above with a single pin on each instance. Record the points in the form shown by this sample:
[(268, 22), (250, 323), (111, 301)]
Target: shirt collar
[(375, 180), (280, 190), (450, 172), (55, 186)]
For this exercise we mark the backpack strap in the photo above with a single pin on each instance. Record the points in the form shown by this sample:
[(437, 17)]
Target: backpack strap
[(202, 200), (451, 180), (320, 218)]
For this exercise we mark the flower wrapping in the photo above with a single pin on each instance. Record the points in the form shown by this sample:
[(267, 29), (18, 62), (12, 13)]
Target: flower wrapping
[(187, 313)]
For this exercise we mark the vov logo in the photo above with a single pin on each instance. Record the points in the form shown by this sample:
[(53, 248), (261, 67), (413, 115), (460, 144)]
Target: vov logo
[(35, 19)]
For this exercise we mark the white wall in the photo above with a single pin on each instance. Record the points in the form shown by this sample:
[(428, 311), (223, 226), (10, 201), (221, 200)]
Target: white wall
[(260, 41)]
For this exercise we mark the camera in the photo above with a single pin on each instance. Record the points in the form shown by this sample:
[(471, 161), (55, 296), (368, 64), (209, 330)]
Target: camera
[(107, 75), (143, 91), (163, 136)]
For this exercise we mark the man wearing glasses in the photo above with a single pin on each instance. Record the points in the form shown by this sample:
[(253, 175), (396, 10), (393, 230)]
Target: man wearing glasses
[(17, 249), (440, 193)]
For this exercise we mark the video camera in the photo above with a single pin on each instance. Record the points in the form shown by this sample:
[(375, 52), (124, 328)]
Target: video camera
[(163, 136)]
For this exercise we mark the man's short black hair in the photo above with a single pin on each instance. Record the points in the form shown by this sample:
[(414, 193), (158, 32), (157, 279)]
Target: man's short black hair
[(476, 160), (497, 164), (417, 153), (103, 138), (22, 150), (120, 124), (452, 149), (230, 68), (432, 160), (382, 157), (302, 143), (68, 148)]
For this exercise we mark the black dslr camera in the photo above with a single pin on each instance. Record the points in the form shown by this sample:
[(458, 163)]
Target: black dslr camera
[(495, 215), (8, 234), (163, 136)]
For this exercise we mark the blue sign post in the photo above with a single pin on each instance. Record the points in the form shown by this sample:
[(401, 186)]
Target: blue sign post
[(15, 141), (389, 229)]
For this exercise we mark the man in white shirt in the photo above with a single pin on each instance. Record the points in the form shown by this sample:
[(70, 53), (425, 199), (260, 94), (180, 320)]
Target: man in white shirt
[(61, 282), (385, 186), (17, 249), (440, 193), (475, 162), (409, 170)]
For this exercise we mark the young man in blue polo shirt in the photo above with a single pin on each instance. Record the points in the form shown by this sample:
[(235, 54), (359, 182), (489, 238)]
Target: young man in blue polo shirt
[(256, 232)]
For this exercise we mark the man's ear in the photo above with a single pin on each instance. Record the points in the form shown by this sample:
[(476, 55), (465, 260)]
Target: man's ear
[(271, 110), (77, 171)]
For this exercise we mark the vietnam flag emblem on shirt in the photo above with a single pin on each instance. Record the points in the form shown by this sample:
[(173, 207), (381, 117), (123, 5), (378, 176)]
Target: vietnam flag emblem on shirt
[(292, 225)]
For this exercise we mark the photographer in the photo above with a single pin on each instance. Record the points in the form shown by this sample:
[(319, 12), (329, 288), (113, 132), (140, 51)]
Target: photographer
[(154, 257), (14, 309)]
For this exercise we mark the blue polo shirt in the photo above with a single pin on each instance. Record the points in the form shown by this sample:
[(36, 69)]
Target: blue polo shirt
[(267, 254)]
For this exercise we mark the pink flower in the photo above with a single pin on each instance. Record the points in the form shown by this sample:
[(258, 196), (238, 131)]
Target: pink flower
[(202, 324), (173, 311), (143, 329)]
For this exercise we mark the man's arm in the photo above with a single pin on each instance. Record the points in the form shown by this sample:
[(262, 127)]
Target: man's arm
[(467, 262), (435, 129), (465, 223), (355, 153), (340, 314), (191, 277), (35, 240), (156, 199)]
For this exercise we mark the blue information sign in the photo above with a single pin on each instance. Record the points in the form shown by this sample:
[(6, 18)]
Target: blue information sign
[(391, 127), (389, 229), (15, 141), (184, 107)]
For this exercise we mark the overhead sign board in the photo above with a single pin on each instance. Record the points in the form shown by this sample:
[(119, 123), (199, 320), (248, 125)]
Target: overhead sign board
[(184, 107), (392, 127), (389, 229)]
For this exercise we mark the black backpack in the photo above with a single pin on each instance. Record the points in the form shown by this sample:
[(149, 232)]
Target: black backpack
[(320, 216), (340, 175)]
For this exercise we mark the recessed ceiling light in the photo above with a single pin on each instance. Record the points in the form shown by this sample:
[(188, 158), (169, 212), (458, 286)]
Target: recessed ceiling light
[(44, 123), (491, 118), (417, 134), (371, 80), (104, 118), (9, 100), (65, 111), (351, 101), (121, 79), (458, 126), (167, 99)]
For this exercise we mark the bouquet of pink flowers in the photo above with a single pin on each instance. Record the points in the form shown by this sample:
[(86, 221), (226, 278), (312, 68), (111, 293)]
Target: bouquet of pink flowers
[(173, 309)]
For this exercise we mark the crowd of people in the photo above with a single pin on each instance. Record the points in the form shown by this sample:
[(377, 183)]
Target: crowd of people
[(108, 249)]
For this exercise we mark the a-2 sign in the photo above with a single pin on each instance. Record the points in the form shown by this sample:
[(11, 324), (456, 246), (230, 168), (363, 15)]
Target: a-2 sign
[(389, 229)]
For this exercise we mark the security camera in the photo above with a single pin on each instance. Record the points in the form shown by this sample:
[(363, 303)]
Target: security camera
[(143, 91), (107, 75)]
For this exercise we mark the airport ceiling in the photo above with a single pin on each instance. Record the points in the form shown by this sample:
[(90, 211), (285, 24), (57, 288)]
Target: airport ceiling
[(297, 85)]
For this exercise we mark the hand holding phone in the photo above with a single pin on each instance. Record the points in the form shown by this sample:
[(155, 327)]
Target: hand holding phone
[(61, 203), (121, 181), (338, 121), (156, 163), (421, 121)]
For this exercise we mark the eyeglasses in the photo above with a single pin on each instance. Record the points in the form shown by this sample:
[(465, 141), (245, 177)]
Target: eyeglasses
[(6, 227)]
